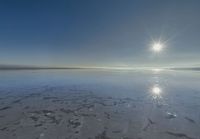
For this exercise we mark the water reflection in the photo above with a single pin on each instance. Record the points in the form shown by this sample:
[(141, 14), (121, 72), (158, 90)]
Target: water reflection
[(156, 92), (170, 115), (157, 71)]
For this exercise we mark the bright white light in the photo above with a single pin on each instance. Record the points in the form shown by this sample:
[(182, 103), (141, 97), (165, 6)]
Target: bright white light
[(157, 47), (156, 70), (156, 90)]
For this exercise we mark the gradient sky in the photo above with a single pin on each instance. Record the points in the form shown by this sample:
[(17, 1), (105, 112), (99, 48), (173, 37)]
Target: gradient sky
[(99, 32)]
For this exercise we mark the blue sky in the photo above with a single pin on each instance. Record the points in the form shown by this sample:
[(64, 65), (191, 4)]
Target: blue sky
[(99, 32)]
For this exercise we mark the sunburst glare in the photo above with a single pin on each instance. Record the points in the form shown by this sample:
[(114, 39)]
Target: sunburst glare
[(157, 47)]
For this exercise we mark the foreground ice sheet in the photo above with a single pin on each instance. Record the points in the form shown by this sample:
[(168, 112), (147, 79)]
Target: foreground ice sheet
[(81, 104)]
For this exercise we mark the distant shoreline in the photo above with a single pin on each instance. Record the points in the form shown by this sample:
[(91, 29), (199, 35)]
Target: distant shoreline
[(98, 68), (192, 68), (35, 68)]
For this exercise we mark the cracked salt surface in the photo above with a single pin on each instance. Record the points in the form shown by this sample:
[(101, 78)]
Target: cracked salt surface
[(99, 105)]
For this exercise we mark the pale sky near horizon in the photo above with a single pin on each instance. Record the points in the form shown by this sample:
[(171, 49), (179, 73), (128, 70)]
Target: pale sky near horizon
[(99, 32)]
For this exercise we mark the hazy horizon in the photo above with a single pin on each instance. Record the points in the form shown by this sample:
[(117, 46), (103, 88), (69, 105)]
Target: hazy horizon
[(157, 69)]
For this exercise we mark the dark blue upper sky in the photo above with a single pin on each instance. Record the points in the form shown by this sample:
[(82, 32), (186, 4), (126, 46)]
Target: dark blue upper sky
[(99, 32)]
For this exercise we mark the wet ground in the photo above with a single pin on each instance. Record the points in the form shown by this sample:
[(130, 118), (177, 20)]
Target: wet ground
[(85, 104)]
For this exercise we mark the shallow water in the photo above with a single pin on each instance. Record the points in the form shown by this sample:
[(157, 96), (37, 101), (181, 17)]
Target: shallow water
[(91, 104)]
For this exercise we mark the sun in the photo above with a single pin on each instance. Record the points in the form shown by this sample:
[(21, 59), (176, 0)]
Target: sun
[(157, 47)]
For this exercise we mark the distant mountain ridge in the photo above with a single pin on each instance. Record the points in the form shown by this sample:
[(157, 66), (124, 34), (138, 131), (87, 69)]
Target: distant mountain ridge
[(24, 67), (187, 68), (18, 67)]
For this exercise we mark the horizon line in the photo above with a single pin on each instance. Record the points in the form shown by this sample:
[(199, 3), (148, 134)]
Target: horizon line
[(24, 67)]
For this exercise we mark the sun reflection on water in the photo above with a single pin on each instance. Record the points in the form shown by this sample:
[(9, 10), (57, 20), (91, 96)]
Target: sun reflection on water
[(157, 71), (156, 91)]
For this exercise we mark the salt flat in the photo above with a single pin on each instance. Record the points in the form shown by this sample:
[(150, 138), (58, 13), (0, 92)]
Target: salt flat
[(91, 104)]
